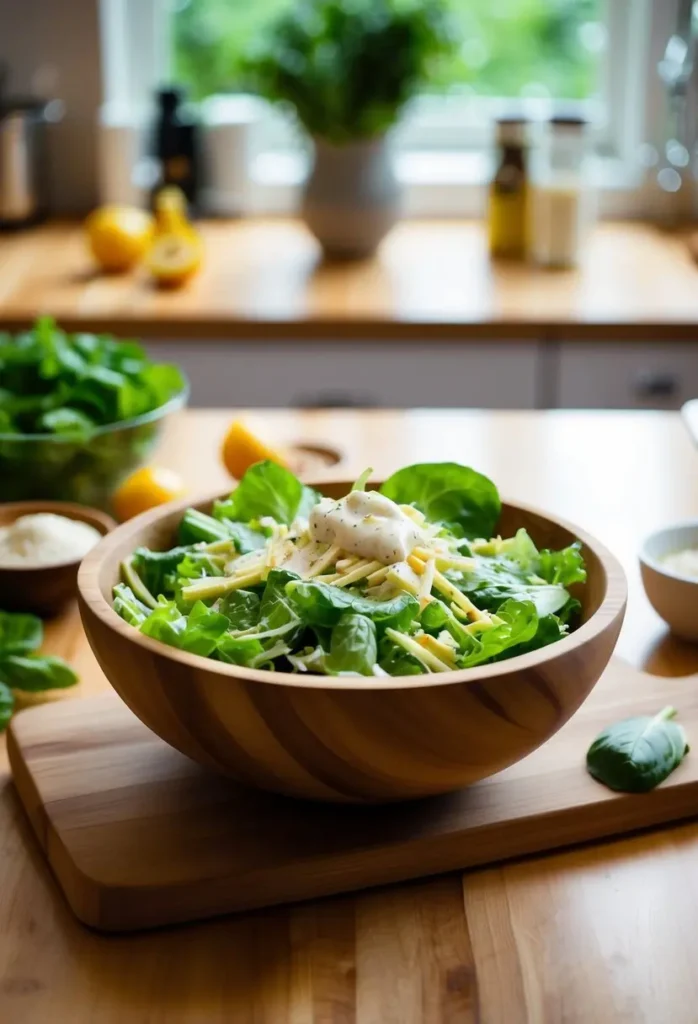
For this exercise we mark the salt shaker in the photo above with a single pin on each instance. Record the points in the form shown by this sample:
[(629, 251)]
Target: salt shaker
[(561, 199)]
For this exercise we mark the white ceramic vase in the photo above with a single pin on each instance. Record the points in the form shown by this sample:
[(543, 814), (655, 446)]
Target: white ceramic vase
[(352, 197)]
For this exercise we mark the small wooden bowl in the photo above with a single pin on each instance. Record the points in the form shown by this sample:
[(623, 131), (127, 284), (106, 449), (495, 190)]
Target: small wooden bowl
[(44, 589), (350, 739)]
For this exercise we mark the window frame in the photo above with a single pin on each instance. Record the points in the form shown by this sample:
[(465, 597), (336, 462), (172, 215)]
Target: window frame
[(440, 178)]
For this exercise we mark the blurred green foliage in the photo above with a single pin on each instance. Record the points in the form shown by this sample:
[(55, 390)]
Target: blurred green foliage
[(346, 68), (506, 47)]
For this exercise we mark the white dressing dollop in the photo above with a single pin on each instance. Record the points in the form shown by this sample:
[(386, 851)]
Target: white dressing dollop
[(367, 524)]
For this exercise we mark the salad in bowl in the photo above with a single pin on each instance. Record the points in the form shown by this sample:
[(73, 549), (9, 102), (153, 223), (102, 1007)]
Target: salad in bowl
[(401, 581)]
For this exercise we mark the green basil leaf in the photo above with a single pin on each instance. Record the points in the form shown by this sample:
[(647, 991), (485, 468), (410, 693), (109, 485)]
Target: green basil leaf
[(19, 633), (7, 706), (36, 672), (635, 755)]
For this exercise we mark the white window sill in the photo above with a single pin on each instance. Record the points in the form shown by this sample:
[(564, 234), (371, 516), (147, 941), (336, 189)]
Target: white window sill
[(435, 183)]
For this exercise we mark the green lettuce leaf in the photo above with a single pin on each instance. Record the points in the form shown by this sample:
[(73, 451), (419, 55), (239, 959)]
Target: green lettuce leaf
[(198, 633), (464, 501), (564, 567), (127, 605), (519, 627)]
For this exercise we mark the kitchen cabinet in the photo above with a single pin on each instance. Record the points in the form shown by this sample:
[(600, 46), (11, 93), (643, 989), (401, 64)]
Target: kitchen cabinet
[(263, 374), (624, 375)]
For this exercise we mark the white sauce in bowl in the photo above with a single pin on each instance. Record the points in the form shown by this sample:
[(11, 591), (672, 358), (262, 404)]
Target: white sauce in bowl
[(683, 562)]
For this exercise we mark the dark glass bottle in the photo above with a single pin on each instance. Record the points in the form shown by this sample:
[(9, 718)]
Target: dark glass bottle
[(176, 145), (508, 200)]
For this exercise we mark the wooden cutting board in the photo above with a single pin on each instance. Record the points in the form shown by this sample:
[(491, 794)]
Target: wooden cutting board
[(139, 836)]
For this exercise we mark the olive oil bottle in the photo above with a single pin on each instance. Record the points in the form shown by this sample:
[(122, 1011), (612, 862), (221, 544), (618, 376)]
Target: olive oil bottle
[(509, 193)]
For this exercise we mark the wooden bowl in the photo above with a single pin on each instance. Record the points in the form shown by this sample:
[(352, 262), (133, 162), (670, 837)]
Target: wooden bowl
[(351, 739), (44, 589)]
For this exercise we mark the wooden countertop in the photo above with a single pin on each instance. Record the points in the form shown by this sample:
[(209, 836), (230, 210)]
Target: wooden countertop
[(602, 933), (264, 278)]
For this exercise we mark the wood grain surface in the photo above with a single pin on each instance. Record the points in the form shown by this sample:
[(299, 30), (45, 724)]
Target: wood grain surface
[(352, 740), (265, 278), (601, 933), (138, 836)]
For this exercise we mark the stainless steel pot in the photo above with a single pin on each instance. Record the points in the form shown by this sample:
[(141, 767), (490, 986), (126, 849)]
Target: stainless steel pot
[(22, 162)]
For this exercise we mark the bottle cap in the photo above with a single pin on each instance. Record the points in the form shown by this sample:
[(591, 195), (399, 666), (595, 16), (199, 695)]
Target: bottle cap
[(512, 131)]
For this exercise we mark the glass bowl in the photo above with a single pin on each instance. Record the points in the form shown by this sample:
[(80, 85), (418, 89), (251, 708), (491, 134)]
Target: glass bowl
[(83, 470)]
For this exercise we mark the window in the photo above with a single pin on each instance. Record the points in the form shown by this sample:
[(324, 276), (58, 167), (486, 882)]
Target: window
[(510, 48), (595, 57)]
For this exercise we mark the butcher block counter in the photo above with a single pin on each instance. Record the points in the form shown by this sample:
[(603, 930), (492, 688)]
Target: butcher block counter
[(265, 278), (602, 933)]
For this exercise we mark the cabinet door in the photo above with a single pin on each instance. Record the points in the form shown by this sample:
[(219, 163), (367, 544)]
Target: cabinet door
[(364, 373), (626, 375)]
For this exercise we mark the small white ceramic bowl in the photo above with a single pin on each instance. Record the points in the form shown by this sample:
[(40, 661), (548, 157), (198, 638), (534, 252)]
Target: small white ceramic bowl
[(673, 597)]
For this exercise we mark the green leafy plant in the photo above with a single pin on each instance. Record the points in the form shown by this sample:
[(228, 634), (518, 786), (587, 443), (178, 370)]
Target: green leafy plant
[(58, 383), (348, 67), (77, 412), (23, 669), (637, 754), (274, 596)]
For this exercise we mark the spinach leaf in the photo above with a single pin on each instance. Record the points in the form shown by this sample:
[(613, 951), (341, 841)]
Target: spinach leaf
[(241, 607), (127, 605), (396, 661), (7, 705), (495, 579), (519, 626), (19, 633), (321, 604), (36, 672), (637, 754), (466, 502), (268, 489), (354, 647), (158, 569)]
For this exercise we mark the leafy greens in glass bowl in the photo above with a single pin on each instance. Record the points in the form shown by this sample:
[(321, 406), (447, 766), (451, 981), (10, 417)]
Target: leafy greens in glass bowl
[(78, 412), (403, 581)]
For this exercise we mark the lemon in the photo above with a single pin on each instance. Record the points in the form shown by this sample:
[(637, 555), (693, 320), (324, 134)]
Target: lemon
[(241, 449), (144, 489), (119, 236), (171, 212), (174, 258)]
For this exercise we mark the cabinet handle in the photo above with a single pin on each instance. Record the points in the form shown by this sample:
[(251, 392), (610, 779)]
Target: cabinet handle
[(656, 384)]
